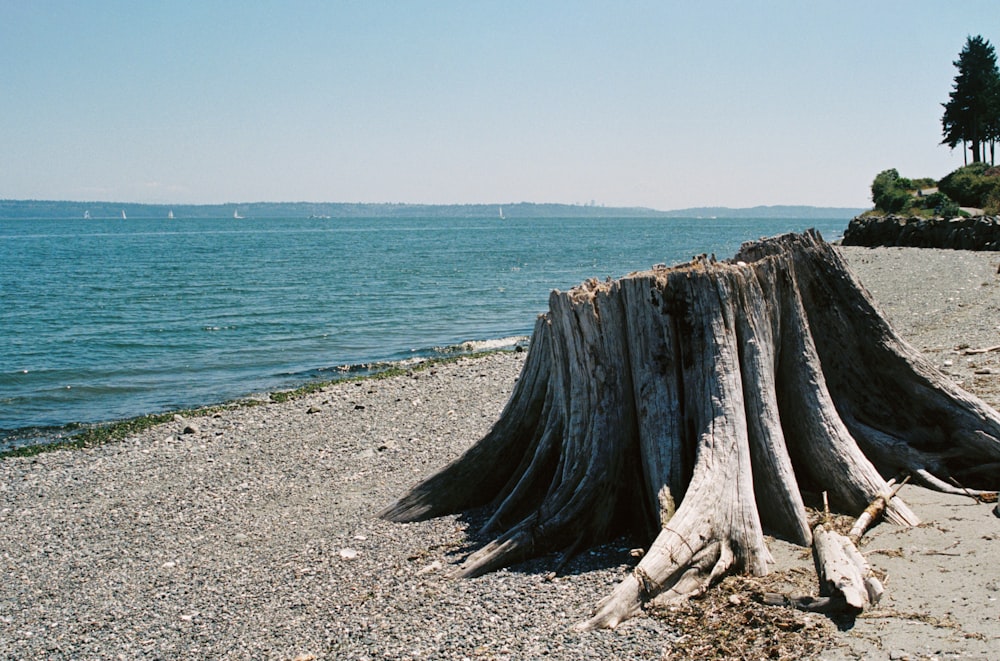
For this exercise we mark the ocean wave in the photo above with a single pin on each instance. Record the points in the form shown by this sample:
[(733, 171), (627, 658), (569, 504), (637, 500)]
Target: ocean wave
[(474, 346)]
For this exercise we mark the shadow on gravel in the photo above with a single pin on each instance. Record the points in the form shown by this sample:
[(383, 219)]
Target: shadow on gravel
[(622, 551)]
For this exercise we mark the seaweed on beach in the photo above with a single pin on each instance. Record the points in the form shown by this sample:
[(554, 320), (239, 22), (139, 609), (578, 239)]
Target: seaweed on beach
[(732, 622)]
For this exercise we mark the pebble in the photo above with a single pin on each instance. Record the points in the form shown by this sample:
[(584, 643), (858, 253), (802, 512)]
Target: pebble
[(939, 298), (278, 542), (434, 566)]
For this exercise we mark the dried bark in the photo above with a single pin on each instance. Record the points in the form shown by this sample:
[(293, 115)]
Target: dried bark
[(700, 405)]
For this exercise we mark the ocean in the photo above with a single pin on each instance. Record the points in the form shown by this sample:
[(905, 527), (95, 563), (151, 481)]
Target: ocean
[(102, 320)]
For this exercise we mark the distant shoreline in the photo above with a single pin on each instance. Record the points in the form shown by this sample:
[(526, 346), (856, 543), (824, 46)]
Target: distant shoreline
[(67, 209)]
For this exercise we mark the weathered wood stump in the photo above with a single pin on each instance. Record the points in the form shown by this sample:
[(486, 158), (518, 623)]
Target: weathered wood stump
[(700, 405)]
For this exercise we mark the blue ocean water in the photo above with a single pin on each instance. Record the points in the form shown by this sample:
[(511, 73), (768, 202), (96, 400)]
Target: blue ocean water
[(108, 319)]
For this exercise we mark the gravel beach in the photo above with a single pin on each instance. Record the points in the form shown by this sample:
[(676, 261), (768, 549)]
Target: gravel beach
[(253, 534)]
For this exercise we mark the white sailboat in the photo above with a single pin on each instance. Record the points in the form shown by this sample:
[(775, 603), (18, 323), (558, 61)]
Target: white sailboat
[(502, 217), (86, 215), (123, 215), (236, 214), (170, 214)]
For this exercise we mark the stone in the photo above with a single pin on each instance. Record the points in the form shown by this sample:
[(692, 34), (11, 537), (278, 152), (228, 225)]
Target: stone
[(978, 233)]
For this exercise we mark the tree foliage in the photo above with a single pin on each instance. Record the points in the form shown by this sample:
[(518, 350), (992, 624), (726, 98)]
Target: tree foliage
[(972, 113), (890, 192), (975, 185), (942, 205)]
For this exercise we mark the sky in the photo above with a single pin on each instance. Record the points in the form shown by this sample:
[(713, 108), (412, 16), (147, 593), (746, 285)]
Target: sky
[(664, 104)]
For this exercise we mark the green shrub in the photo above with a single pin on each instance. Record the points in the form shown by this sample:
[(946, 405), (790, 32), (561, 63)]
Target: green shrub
[(972, 185), (896, 200), (991, 205), (890, 192), (941, 205)]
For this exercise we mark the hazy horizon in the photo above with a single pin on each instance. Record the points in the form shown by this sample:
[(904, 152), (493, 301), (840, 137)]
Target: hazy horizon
[(664, 106), (320, 203)]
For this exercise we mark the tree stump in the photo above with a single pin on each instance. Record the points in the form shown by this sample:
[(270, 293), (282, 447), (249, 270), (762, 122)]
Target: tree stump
[(700, 405)]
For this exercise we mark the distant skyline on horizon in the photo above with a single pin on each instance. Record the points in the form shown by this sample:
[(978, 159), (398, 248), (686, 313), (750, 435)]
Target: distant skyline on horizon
[(5, 202), (661, 105)]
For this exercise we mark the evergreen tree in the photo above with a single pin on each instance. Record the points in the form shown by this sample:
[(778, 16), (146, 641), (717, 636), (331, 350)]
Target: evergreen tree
[(972, 114)]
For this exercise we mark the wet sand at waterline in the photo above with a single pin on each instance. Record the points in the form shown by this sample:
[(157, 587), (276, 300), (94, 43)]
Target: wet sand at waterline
[(256, 535)]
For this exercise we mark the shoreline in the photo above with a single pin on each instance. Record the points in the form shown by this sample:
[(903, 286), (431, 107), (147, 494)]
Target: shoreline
[(28, 441), (255, 534)]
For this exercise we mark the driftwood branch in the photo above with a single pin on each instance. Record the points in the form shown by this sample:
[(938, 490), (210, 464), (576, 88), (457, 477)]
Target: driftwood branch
[(874, 510), (844, 571), (973, 352), (847, 584)]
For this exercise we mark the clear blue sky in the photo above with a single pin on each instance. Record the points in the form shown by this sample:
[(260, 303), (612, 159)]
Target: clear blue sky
[(660, 104)]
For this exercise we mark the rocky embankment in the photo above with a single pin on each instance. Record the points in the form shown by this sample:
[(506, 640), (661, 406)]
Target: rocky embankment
[(975, 233)]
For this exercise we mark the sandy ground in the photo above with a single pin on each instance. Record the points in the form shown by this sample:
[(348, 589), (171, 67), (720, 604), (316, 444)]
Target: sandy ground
[(255, 536), (942, 578), (942, 584)]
